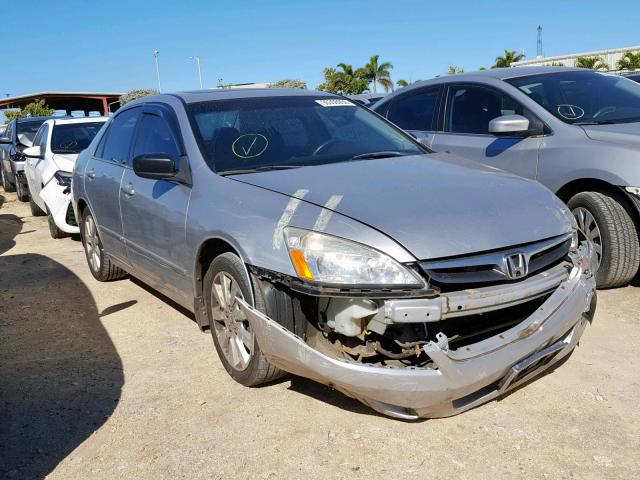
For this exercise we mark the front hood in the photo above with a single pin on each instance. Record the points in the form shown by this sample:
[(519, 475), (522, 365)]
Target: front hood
[(435, 206), (65, 162), (620, 133)]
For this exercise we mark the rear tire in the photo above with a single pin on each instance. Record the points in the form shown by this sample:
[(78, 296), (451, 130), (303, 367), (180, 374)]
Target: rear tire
[(233, 338), (606, 221), (6, 185), (101, 266), (36, 211), (22, 191)]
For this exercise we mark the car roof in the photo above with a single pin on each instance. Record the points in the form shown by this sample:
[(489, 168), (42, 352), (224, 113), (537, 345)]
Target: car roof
[(196, 96), (72, 120), (31, 119)]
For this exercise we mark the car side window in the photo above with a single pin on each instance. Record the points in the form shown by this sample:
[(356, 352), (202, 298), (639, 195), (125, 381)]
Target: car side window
[(117, 143), (416, 111), (470, 108), (155, 136)]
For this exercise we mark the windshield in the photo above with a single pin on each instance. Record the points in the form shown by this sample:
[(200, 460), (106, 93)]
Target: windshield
[(584, 98), (287, 132), (28, 129), (73, 137)]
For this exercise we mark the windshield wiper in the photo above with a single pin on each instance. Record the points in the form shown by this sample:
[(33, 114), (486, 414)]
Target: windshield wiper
[(374, 155), (264, 168), (596, 122)]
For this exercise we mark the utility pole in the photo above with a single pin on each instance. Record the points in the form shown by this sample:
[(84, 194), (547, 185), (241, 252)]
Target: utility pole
[(156, 54), (197, 59)]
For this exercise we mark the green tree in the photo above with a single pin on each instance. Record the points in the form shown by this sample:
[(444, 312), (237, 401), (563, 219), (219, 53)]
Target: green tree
[(453, 70), (557, 64), (345, 81), (36, 108), (593, 63), (287, 83), (378, 73), (509, 57), (132, 95), (402, 83), (629, 61)]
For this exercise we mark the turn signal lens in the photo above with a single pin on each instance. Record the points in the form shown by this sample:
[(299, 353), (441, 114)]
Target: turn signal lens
[(302, 267)]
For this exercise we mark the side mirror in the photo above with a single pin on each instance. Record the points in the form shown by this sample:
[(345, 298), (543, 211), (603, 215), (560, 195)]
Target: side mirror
[(509, 125), (5, 140), (154, 165), (24, 140), (32, 152)]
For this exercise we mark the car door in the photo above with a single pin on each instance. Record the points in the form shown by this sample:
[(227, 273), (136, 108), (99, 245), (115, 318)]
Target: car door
[(103, 176), (31, 163), (468, 110), (39, 164), (417, 112), (154, 211)]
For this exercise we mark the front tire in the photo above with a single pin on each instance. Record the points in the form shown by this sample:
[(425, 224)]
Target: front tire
[(6, 185), (22, 191), (101, 266), (233, 338), (36, 211), (54, 230), (607, 223)]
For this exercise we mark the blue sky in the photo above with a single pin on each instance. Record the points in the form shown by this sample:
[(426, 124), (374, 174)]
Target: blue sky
[(107, 46)]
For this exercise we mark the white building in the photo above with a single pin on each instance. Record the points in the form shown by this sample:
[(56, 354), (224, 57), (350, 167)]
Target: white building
[(609, 57)]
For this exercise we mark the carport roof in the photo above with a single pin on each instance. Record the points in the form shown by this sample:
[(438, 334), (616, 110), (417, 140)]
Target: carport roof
[(61, 100)]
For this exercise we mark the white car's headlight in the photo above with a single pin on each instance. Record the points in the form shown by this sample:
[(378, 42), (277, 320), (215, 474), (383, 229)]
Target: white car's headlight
[(322, 258)]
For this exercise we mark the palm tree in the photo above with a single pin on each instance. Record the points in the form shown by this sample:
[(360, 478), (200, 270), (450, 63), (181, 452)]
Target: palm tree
[(629, 61), (378, 73), (510, 56), (593, 63), (402, 83)]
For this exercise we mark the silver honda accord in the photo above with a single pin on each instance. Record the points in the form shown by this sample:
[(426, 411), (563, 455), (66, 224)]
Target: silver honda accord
[(311, 236)]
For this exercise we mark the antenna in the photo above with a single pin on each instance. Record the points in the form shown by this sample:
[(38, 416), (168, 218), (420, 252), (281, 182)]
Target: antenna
[(539, 53)]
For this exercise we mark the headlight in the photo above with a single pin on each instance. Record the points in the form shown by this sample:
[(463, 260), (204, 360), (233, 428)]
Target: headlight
[(322, 258), (63, 178)]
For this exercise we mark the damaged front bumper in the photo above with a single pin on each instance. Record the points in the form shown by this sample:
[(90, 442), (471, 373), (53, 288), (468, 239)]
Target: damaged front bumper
[(458, 379), (57, 198)]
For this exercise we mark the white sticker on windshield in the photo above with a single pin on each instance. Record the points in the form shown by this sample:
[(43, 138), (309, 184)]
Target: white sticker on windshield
[(334, 102)]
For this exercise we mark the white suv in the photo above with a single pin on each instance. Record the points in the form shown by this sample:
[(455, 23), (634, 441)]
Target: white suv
[(49, 165)]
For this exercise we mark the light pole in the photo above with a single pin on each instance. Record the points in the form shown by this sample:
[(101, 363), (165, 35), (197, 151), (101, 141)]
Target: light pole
[(156, 54), (197, 59)]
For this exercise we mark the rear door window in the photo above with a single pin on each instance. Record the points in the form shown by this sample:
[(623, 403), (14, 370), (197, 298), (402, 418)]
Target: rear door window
[(117, 144), (416, 111)]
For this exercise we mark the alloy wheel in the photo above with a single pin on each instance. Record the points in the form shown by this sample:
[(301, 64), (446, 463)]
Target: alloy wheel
[(92, 243), (230, 324), (588, 225)]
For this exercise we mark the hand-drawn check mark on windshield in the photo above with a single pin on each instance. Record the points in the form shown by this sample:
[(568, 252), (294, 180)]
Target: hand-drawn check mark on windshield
[(249, 145)]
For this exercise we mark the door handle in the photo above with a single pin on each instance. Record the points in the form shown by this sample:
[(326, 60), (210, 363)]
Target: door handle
[(91, 173), (128, 189)]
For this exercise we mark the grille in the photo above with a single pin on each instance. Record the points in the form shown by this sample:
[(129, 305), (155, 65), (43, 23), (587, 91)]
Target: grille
[(70, 217), (492, 267)]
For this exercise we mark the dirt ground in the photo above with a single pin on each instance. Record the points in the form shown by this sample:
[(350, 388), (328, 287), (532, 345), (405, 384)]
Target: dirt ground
[(108, 381)]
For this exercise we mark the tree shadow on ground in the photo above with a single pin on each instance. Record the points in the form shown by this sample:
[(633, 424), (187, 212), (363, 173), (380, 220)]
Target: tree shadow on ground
[(60, 374)]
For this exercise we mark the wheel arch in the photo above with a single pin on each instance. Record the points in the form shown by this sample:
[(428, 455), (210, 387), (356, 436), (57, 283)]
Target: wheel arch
[(209, 249), (594, 184)]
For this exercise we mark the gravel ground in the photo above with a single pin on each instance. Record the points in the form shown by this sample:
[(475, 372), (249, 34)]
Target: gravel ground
[(113, 381)]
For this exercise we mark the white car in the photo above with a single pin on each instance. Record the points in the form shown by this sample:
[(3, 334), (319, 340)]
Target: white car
[(48, 168)]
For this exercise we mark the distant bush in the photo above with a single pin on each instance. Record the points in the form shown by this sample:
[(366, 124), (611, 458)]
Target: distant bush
[(289, 84), (132, 95), (33, 109)]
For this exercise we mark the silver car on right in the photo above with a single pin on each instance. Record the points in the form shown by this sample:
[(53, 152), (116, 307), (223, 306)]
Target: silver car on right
[(575, 130)]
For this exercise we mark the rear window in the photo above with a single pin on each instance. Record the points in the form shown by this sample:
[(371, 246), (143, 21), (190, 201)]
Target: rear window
[(28, 129)]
